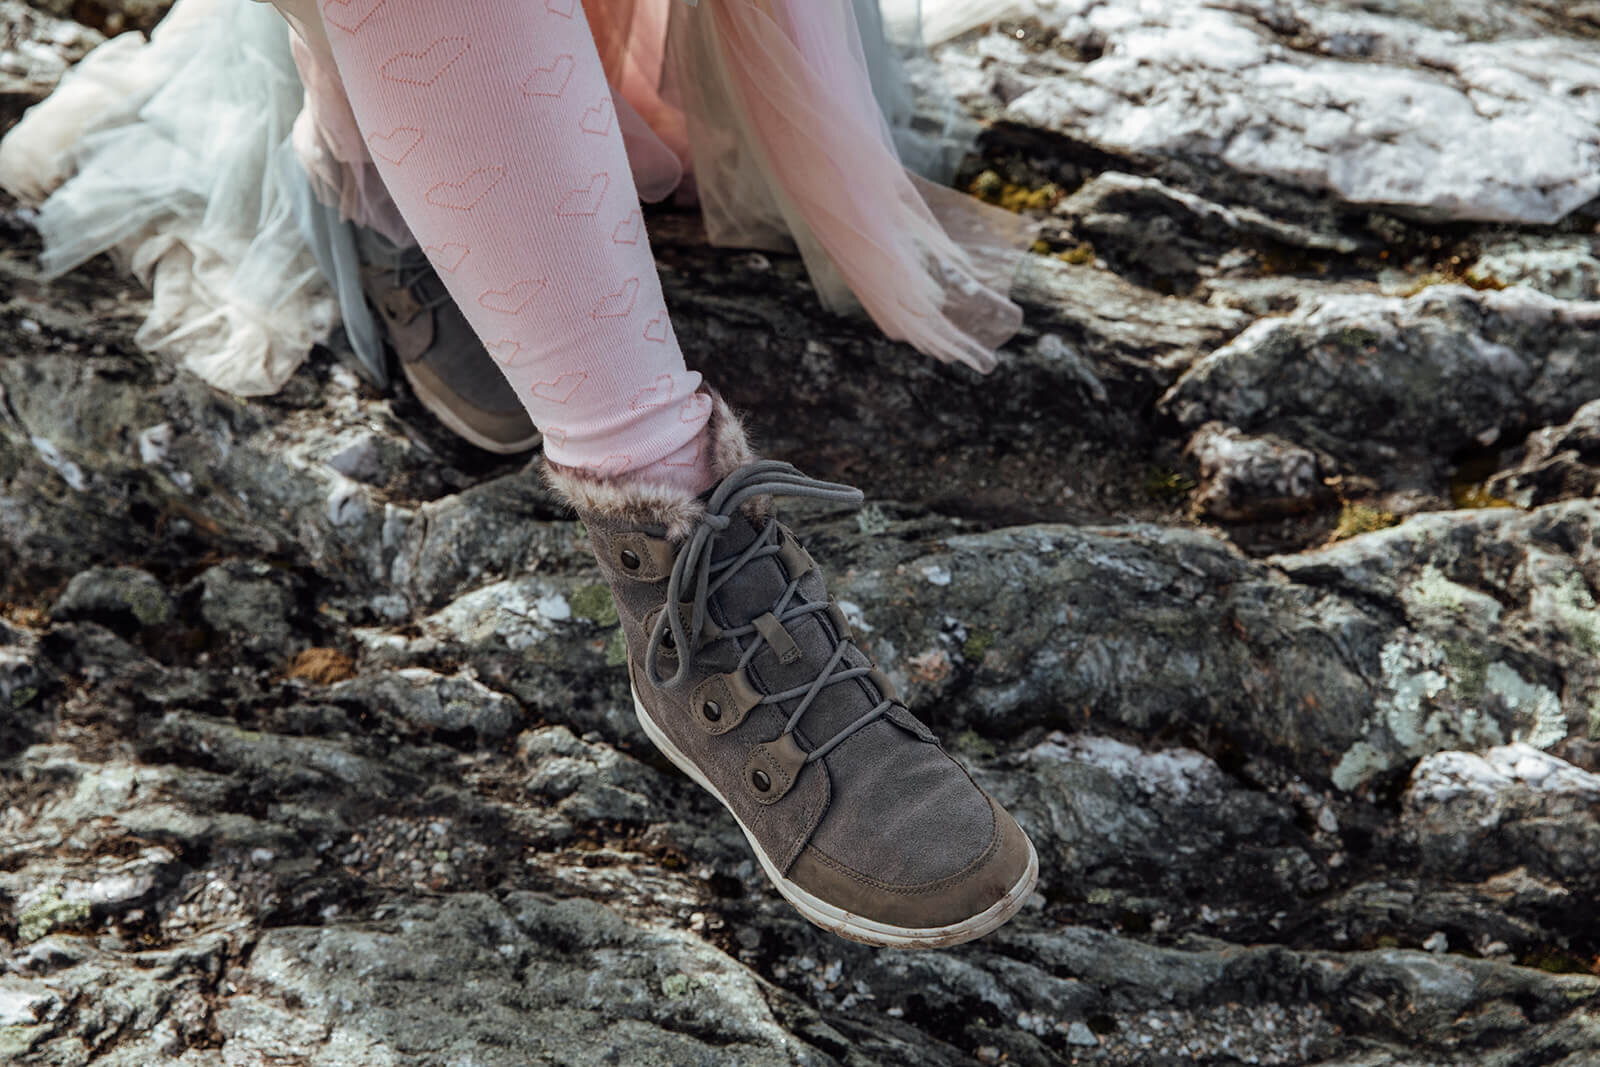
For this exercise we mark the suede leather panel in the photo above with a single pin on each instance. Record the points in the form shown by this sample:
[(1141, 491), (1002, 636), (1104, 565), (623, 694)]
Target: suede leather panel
[(1000, 865), (733, 696), (438, 349), (498, 424), (913, 814), (655, 555), (782, 828), (782, 760), (902, 811)]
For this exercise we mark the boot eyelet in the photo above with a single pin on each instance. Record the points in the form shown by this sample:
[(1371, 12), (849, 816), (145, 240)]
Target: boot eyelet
[(711, 710), (630, 559), (761, 782)]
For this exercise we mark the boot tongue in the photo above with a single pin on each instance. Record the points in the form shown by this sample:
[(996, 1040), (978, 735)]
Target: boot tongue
[(752, 593), (756, 588)]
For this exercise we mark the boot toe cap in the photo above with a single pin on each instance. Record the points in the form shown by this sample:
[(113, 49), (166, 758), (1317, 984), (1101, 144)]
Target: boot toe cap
[(973, 900)]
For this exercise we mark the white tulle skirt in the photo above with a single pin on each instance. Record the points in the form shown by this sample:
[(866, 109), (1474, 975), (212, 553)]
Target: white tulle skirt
[(220, 162)]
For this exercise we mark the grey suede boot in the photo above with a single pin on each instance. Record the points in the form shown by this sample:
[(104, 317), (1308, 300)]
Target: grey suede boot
[(450, 371), (754, 687)]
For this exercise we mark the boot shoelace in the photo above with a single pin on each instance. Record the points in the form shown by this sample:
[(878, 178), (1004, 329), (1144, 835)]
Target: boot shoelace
[(413, 271), (694, 564), (420, 277)]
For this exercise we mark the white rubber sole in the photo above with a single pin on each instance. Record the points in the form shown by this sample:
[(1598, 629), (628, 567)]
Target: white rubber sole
[(839, 921)]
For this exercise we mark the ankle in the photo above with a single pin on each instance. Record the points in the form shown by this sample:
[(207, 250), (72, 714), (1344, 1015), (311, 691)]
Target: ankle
[(688, 469), (669, 492)]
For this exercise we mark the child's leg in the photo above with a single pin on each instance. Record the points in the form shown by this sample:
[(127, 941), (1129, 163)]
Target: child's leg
[(493, 127)]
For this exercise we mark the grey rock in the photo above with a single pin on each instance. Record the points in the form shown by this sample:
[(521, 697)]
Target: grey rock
[(1557, 462), (1167, 233), (114, 15), (533, 979), (124, 595), (1260, 785), (1405, 382), (1244, 477), (435, 703), (1525, 809), (248, 602), (484, 533), (1312, 96), (365, 457), (35, 51), (23, 677), (586, 782), (1565, 266)]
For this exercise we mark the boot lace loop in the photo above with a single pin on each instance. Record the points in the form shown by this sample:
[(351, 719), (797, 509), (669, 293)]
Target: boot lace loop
[(696, 569)]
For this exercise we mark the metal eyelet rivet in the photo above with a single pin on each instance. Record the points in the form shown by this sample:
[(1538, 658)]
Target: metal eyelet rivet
[(760, 780), (630, 559), (711, 710), (668, 642)]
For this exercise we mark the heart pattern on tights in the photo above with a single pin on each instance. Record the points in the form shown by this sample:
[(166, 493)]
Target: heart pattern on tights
[(597, 119), (695, 409), (395, 145), (654, 396), (447, 257), (628, 230), (561, 389), (465, 194), (618, 304), (508, 353), (585, 201), (693, 460), (551, 80), (350, 15), (427, 66), (511, 300)]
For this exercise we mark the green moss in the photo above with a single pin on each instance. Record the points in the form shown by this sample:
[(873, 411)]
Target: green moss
[(149, 606), (1469, 667), (616, 649), (24, 696), (1358, 338), (593, 602), (1165, 483), (971, 743), (1476, 496), (988, 186), (1078, 255), (1355, 519), (51, 913), (979, 643), (1557, 961)]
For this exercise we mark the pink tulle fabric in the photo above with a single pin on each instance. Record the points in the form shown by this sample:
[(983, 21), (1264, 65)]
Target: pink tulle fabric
[(767, 105)]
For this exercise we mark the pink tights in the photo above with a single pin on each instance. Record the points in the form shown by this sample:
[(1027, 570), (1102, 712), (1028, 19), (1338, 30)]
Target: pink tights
[(494, 130)]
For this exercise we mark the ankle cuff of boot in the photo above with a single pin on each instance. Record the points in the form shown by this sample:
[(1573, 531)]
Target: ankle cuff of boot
[(645, 503)]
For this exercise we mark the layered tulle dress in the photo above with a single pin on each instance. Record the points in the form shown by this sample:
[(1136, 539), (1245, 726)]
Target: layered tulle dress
[(813, 125)]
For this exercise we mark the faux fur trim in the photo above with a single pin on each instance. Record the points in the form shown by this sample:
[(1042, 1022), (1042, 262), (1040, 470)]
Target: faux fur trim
[(643, 503)]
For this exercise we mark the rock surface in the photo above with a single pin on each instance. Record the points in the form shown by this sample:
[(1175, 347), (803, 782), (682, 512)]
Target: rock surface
[(1260, 583)]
